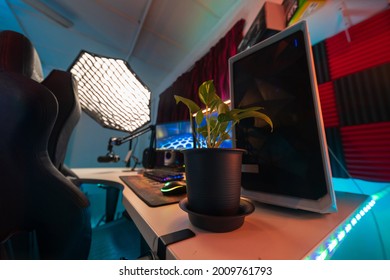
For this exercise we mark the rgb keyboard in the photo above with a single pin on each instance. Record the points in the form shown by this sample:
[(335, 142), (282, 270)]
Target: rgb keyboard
[(163, 175)]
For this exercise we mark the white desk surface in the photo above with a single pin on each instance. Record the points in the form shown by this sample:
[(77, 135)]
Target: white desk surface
[(269, 233)]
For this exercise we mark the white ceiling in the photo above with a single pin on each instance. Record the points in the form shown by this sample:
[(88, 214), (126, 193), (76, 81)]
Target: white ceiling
[(154, 36), (159, 38)]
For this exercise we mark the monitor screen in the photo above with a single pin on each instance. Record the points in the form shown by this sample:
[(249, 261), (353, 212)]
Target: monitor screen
[(288, 166), (174, 136)]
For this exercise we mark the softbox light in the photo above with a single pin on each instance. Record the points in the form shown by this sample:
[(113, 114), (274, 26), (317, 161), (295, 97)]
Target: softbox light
[(110, 92)]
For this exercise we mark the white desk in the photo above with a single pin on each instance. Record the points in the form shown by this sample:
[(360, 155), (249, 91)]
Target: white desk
[(268, 233)]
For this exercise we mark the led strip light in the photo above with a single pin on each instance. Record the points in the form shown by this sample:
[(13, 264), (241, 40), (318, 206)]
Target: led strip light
[(329, 246)]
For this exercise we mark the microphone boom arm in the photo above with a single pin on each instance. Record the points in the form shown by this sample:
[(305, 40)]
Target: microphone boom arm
[(117, 141)]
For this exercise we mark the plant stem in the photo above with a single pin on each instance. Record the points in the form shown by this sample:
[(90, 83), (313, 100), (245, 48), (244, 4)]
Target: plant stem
[(208, 127)]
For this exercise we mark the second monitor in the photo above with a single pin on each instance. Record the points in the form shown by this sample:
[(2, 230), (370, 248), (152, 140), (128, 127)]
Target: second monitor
[(289, 166), (171, 138)]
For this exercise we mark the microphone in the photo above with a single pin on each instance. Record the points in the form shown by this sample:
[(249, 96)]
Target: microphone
[(108, 158)]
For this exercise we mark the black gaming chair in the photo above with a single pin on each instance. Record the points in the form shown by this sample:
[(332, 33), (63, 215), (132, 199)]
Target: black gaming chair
[(34, 195), (64, 88)]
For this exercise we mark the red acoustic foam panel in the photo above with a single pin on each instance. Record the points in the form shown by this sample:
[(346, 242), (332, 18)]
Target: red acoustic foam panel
[(367, 151), (328, 104), (369, 46)]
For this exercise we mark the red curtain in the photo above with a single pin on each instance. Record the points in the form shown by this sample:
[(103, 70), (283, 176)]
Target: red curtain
[(214, 65)]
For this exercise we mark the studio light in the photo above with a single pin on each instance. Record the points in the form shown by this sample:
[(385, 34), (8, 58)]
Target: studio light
[(110, 92)]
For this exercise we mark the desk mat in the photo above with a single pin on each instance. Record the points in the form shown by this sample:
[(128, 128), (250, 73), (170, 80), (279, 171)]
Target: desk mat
[(149, 191)]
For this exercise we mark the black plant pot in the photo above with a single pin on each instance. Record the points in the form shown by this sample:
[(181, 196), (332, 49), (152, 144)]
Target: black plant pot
[(213, 180)]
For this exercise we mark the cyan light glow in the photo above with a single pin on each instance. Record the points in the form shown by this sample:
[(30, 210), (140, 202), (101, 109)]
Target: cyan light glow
[(348, 228), (341, 235), (110, 92), (332, 245), (325, 250)]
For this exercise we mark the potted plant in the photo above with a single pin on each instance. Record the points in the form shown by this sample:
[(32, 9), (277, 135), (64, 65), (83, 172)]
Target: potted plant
[(213, 174)]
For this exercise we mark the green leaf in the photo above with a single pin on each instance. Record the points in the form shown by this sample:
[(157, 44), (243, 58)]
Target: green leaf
[(223, 108), (207, 92), (234, 112), (255, 114), (192, 106), (217, 129), (214, 104), (202, 130), (225, 117), (213, 127), (199, 117)]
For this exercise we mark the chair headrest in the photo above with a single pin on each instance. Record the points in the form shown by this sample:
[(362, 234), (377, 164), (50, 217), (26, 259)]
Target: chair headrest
[(17, 54)]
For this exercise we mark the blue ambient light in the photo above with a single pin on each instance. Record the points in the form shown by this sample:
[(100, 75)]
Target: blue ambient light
[(329, 246)]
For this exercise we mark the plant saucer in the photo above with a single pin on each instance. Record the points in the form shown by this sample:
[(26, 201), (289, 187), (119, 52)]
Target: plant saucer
[(219, 223)]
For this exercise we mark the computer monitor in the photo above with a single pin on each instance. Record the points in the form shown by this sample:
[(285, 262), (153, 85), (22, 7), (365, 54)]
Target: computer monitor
[(174, 136), (289, 166)]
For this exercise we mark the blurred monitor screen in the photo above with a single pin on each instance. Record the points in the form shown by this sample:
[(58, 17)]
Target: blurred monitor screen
[(174, 136)]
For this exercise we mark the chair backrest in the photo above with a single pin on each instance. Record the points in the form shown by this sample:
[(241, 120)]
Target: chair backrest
[(34, 195), (64, 88)]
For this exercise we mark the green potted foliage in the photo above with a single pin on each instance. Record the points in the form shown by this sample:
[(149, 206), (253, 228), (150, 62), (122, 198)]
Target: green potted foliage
[(213, 174)]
